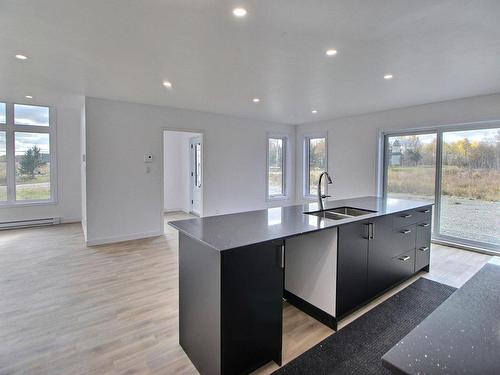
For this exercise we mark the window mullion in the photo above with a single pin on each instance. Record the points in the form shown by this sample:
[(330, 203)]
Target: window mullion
[(11, 163)]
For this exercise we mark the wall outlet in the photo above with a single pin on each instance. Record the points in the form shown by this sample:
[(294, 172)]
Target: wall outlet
[(148, 158)]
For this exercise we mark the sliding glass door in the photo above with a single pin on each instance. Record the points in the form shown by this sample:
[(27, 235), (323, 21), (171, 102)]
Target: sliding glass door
[(458, 169), (470, 187)]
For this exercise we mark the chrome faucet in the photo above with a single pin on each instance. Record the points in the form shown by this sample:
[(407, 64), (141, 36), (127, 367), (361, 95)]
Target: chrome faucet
[(322, 196)]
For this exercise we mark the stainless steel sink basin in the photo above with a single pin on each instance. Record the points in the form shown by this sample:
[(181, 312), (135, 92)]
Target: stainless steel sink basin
[(328, 215), (340, 213), (350, 211)]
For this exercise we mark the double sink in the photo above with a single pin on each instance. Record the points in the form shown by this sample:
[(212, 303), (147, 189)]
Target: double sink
[(340, 213)]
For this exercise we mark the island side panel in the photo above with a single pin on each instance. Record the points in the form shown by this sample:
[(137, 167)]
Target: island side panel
[(252, 317), (199, 304)]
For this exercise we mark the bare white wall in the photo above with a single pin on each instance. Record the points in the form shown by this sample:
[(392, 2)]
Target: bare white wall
[(125, 202), (353, 141), (69, 110), (176, 165)]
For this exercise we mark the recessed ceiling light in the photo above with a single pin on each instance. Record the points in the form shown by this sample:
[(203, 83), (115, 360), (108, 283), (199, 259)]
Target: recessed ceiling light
[(331, 52), (28, 97), (167, 84), (240, 12), (255, 100), (21, 57), (314, 111), (388, 76)]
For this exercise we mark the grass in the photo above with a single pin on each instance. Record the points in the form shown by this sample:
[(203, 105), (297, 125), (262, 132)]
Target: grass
[(480, 184)]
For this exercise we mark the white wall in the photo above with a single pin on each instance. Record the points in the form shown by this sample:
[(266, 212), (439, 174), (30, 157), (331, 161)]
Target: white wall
[(125, 202), (68, 207), (353, 141), (176, 176)]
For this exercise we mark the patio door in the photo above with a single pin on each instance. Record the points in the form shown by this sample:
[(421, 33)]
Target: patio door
[(459, 169)]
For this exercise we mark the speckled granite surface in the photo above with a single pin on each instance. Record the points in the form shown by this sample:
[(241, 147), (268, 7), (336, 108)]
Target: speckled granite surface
[(225, 232), (462, 336), (357, 348)]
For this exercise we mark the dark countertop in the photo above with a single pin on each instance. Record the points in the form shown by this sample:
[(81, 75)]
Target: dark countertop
[(225, 232), (462, 336)]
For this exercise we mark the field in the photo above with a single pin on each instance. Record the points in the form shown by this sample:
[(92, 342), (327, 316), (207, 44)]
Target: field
[(470, 203), (26, 188), (457, 182)]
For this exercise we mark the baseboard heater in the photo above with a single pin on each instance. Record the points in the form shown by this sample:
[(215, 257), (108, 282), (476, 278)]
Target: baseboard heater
[(29, 223)]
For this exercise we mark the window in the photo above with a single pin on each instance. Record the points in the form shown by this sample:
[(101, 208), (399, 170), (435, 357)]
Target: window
[(276, 167), (315, 161), (26, 156), (197, 164), (458, 167)]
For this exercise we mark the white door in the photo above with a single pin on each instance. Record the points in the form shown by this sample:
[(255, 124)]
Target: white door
[(195, 148)]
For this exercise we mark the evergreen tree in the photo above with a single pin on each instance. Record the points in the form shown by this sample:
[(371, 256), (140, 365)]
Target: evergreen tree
[(30, 162)]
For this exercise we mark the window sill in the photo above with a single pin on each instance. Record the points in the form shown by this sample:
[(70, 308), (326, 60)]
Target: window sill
[(278, 198), (27, 204)]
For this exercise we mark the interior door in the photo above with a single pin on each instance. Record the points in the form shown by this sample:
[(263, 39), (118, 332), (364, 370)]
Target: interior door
[(195, 146)]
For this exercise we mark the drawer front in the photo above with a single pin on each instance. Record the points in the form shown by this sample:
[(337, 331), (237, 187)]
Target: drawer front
[(403, 219), (423, 233), (422, 257), (403, 239), (385, 272), (424, 214)]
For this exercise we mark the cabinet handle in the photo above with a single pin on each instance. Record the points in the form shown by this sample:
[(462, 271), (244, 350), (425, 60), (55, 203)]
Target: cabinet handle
[(405, 258), (425, 211), (373, 230), (425, 248), (424, 225), (407, 216), (406, 231), (282, 256)]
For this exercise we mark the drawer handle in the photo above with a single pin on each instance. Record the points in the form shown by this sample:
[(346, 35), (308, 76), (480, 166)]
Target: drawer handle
[(424, 225), (407, 216), (406, 231), (425, 211), (425, 248), (405, 258)]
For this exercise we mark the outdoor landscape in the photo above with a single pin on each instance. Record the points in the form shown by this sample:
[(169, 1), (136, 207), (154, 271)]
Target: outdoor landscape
[(470, 206)]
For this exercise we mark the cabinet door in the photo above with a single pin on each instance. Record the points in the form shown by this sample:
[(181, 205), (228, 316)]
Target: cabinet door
[(252, 292), (352, 266), (384, 247)]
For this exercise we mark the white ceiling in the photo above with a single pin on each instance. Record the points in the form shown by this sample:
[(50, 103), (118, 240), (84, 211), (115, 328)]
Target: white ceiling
[(124, 49)]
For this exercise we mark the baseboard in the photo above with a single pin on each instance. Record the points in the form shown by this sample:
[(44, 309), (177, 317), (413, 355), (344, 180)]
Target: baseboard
[(175, 210), (128, 237), (70, 220), (311, 310)]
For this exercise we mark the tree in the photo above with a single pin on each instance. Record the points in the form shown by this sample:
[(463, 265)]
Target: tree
[(30, 162)]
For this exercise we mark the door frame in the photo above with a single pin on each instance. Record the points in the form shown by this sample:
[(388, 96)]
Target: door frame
[(382, 161), (192, 179), (184, 130)]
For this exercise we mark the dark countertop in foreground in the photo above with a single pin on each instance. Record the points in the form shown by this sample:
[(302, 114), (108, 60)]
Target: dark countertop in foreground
[(225, 232), (462, 336)]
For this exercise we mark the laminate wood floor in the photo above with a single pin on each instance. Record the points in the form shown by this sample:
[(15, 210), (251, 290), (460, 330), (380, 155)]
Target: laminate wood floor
[(66, 308)]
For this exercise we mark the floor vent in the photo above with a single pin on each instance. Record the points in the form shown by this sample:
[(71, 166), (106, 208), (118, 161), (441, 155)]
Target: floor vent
[(30, 223)]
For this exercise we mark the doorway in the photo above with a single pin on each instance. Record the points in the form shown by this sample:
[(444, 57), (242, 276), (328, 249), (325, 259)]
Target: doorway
[(183, 172)]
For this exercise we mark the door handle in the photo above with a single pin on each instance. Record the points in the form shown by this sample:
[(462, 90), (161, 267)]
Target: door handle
[(424, 225), (405, 258), (407, 216), (406, 231), (425, 248)]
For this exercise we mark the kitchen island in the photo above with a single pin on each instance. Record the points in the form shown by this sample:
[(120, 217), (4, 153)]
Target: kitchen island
[(235, 269)]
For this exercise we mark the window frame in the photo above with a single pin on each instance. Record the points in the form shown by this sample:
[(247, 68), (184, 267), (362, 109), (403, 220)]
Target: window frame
[(437, 236), (285, 139), (305, 160), (10, 129)]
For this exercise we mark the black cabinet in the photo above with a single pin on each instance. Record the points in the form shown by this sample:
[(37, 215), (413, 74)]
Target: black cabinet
[(251, 306), (352, 265)]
